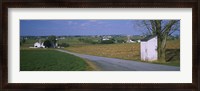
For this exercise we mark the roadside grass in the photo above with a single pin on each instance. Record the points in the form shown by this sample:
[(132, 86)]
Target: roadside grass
[(50, 60), (129, 51)]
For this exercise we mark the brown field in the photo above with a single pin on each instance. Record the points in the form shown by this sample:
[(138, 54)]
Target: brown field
[(127, 51), (173, 44), (123, 51)]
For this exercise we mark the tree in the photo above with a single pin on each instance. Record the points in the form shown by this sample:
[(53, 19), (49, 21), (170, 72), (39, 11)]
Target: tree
[(52, 40), (108, 41), (47, 43), (161, 28), (22, 41)]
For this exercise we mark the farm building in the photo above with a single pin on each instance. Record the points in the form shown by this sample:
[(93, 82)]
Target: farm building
[(138, 41), (106, 37), (148, 48), (39, 45), (129, 39)]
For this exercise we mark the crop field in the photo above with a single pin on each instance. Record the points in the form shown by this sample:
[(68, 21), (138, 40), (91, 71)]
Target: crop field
[(128, 51), (124, 51), (50, 60)]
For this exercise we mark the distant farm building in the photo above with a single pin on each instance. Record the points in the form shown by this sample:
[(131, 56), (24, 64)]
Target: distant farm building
[(38, 45), (138, 41), (106, 37), (148, 48), (129, 40)]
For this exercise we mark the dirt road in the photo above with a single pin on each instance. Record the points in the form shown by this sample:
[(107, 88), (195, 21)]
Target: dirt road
[(113, 64)]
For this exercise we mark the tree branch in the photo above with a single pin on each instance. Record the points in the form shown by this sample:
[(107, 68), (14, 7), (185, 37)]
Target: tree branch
[(148, 28), (153, 25), (167, 28)]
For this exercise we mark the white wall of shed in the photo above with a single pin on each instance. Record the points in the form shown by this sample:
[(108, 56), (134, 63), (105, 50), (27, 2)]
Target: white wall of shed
[(143, 50), (152, 49)]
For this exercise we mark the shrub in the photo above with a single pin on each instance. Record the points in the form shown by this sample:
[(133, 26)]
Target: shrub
[(64, 45), (121, 41), (107, 42)]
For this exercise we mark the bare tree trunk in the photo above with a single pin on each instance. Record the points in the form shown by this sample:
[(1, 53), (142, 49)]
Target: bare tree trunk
[(161, 40), (162, 47), (159, 47)]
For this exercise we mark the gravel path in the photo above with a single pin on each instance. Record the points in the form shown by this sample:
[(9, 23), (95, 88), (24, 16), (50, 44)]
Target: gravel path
[(113, 64)]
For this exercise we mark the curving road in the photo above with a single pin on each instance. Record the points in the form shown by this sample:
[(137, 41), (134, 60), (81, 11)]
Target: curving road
[(113, 64)]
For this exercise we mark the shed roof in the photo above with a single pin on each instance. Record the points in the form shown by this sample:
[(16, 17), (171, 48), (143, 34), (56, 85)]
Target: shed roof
[(148, 37)]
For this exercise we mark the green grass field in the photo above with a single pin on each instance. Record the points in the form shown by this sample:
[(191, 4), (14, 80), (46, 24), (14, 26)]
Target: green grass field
[(50, 60), (128, 51)]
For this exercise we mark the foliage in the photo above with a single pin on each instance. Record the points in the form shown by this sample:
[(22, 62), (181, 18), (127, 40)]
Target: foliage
[(110, 41), (107, 42), (52, 40), (47, 43), (22, 41), (63, 45), (120, 41), (50, 60)]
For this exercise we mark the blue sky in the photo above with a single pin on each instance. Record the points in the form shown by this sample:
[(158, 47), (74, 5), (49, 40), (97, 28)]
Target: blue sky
[(81, 27)]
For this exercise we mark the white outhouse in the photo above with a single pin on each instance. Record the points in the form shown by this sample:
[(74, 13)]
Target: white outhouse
[(148, 48)]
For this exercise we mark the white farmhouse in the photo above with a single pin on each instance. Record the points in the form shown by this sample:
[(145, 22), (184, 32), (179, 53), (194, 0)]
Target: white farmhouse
[(38, 45), (148, 48)]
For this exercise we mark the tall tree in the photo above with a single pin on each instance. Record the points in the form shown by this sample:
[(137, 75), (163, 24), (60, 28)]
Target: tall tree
[(47, 43), (52, 40), (22, 41), (161, 28)]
